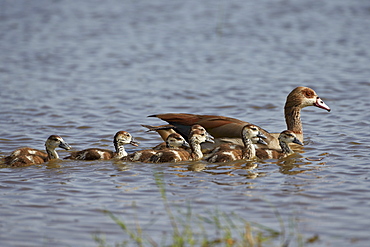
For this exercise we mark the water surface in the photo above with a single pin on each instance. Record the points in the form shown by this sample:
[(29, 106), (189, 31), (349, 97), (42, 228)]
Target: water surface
[(86, 69)]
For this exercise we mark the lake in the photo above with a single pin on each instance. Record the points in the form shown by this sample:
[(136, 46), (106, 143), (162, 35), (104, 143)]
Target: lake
[(87, 69)]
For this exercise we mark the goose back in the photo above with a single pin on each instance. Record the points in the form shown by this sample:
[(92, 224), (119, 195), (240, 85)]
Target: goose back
[(226, 129), (120, 139), (196, 137), (171, 152)]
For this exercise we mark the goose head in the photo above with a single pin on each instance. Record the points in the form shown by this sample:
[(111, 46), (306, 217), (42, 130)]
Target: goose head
[(257, 140), (55, 141), (123, 137), (198, 136), (252, 132), (304, 96), (175, 140), (209, 138), (288, 136)]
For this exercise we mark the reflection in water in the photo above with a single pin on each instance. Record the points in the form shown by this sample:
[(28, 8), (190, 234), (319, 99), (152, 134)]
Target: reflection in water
[(121, 166), (197, 166), (296, 164), (291, 165)]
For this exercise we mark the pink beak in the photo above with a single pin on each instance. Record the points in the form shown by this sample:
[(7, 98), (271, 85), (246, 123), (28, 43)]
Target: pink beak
[(321, 104)]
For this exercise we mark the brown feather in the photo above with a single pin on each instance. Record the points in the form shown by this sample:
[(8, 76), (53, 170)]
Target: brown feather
[(29, 156), (225, 127), (92, 154), (217, 126)]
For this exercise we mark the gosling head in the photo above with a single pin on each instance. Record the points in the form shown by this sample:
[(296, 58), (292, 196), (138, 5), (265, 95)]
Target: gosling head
[(251, 131), (257, 140), (175, 140), (288, 136), (123, 137), (209, 138), (198, 137), (55, 141)]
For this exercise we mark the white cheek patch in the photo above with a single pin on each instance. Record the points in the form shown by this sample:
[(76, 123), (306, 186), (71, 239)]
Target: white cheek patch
[(309, 102)]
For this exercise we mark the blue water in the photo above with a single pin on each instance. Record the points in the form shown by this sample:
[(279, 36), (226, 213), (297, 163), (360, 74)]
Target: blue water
[(86, 69)]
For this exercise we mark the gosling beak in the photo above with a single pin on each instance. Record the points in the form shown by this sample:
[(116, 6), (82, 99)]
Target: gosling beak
[(185, 144), (64, 145), (296, 141), (260, 135), (321, 104), (134, 143), (210, 138), (260, 141)]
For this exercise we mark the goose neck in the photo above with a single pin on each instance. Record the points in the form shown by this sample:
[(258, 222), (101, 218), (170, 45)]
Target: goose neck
[(52, 154), (196, 151), (120, 151), (285, 148), (249, 149), (293, 118)]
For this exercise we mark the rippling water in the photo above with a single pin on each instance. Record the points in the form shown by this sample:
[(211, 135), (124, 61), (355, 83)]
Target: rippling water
[(86, 69)]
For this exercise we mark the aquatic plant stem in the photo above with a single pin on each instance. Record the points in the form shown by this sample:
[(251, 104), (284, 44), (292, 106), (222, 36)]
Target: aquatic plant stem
[(159, 180)]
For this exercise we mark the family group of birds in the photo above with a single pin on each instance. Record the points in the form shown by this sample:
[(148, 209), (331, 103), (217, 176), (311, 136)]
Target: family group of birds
[(191, 137)]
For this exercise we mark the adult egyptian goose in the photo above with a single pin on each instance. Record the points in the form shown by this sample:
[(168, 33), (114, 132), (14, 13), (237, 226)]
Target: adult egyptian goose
[(196, 137), (227, 152), (121, 138), (29, 156), (165, 130), (285, 137), (173, 142), (226, 129)]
